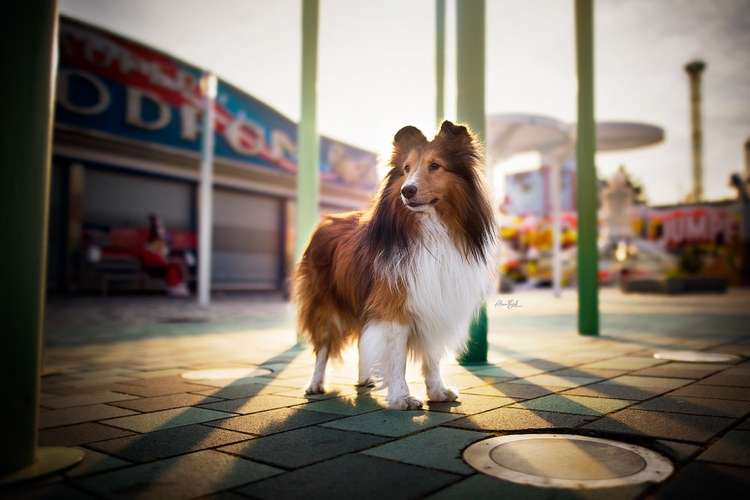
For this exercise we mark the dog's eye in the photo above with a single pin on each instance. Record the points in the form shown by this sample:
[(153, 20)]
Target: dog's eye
[(406, 168), (434, 166)]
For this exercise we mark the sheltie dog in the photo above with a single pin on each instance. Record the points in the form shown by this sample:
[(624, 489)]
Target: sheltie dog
[(407, 275)]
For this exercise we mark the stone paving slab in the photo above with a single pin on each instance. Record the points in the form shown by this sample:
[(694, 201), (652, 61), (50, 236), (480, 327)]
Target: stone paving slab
[(79, 414), (165, 402), (661, 425), (732, 449), (617, 391), (728, 379), (392, 423), (165, 419), (514, 419), (715, 392), (347, 405), (57, 402), (513, 391), (580, 405), (696, 406), (301, 447), (157, 389), (254, 404), (679, 452), (649, 382), (273, 421), (187, 476), (168, 442), (481, 487), (600, 373), (552, 380), (682, 370), (705, 480), (73, 435), (438, 448), (625, 363), (238, 391), (353, 476), (94, 462), (469, 404), (332, 391)]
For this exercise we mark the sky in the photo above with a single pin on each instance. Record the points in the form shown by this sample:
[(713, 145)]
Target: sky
[(377, 68)]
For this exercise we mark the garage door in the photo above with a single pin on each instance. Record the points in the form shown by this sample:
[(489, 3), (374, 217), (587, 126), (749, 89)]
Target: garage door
[(246, 241), (114, 198)]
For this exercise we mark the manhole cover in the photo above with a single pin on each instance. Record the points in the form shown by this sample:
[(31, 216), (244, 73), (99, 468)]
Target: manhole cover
[(225, 373), (696, 356), (566, 461)]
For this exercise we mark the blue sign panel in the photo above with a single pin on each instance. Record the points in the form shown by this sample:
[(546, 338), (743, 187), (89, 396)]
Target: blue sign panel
[(111, 85)]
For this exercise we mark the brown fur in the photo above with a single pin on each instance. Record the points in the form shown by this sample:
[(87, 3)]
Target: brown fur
[(339, 284)]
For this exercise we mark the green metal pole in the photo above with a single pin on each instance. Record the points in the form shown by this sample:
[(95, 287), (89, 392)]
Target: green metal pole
[(308, 181), (24, 183), (27, 87), (439, 61), (470, 63), (587, 189)]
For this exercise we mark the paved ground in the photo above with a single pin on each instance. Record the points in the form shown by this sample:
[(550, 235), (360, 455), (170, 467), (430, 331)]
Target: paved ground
[(112, 386)]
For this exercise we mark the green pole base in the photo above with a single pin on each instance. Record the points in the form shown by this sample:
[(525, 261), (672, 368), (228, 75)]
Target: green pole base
[(476, 348), (49, 459)]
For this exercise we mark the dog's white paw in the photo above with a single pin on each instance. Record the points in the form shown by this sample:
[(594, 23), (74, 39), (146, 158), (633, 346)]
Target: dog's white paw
[(442, 394), (404, 403), (315, 388)]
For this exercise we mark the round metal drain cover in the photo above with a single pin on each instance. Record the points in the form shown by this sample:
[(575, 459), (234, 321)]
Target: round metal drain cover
[(566, 461), (696, 356), (225, 373)]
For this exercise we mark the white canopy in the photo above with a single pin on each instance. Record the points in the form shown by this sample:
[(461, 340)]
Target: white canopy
[(510, 134)]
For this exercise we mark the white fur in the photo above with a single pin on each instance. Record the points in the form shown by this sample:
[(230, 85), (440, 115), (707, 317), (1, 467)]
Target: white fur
[(445, 289), (318, 378), (383, 346)]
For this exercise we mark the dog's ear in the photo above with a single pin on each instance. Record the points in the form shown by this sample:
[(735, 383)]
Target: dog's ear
[(460, 144), (404, 141), (457, 134)]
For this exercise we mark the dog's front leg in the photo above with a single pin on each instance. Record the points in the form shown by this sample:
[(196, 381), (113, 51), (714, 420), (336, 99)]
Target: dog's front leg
[(394, 372), (436, 389)]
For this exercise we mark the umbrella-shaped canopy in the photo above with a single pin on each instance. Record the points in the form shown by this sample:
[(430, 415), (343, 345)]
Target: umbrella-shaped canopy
[(510, 134)]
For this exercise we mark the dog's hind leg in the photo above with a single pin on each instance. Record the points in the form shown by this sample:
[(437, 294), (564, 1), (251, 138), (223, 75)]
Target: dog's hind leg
[(319, 374)]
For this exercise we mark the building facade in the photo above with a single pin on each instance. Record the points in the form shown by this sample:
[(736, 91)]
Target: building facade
[(127, 139)]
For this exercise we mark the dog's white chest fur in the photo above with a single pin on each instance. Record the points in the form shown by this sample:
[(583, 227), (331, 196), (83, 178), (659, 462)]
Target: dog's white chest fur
[(444, 288)]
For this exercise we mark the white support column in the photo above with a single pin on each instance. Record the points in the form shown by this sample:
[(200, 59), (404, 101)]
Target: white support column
[(556, 226), (205, 196)]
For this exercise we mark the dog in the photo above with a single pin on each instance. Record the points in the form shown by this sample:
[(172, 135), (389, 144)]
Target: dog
[(407, 275)]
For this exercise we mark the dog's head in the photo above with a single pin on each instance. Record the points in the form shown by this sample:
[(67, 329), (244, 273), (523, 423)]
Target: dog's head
[(435, 172)]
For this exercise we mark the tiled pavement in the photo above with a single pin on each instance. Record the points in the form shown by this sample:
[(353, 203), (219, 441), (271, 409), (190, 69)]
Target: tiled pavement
[(112, 387)]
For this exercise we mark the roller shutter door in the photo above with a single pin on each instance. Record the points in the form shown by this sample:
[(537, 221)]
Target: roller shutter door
[(246, 241), (114, 199)]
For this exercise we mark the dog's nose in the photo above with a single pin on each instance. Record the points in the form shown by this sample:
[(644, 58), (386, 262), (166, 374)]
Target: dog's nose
[(409, 191)]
